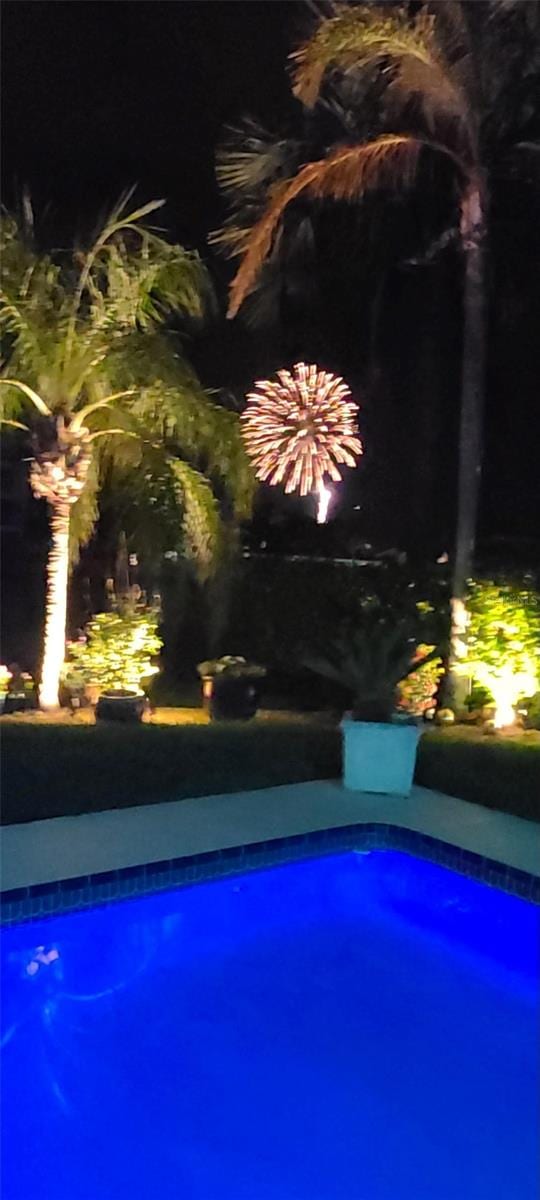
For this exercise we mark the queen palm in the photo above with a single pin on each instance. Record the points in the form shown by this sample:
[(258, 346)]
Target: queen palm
[(88, 355), (452, 86)]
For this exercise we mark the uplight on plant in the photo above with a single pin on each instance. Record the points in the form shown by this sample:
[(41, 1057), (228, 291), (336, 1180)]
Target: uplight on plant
[(5, 676), (503, 645), (116, 651)]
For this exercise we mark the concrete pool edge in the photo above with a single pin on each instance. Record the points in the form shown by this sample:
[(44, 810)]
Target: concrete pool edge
[(51, 853), (129, 883)]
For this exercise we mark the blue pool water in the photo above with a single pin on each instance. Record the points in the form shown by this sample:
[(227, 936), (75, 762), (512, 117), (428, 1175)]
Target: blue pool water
[(360, 1027)]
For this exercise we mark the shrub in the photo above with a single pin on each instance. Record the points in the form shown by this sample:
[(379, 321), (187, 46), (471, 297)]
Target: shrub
[(503, 642), (416, 693), (531, 711), (115, 651)]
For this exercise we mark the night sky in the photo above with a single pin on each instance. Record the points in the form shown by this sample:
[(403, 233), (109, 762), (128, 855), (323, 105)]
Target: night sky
[(98, 96)]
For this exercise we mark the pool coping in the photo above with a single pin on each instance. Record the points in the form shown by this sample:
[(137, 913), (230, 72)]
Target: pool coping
[(59, 897)]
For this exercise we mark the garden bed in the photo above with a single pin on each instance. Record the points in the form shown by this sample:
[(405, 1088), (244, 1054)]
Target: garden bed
[(56, 768)]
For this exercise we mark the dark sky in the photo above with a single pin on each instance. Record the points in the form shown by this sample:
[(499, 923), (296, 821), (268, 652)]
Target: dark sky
[(98, 95)]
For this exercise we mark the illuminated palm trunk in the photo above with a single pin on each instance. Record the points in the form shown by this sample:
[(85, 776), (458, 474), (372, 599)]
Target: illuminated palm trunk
[(473, 239), (55, 606), (58, 475)]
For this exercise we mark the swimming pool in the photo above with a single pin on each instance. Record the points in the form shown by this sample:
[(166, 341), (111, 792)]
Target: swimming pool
[(361, 1026)]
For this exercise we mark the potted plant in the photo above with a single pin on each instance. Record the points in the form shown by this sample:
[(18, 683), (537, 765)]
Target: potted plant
[(17, 689), (110, 663), (231, 687), (121, 704), (370, 660)]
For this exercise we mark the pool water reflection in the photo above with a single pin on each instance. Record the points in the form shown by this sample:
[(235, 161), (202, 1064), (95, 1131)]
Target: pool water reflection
[(357, 1027)]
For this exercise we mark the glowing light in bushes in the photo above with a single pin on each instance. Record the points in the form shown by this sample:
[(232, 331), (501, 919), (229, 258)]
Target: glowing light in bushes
[(507, 688), (116, 650), (299, 428), (501, 650)]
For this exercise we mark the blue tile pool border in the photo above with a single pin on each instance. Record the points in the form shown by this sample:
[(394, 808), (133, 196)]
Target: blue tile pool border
[(88, 891)]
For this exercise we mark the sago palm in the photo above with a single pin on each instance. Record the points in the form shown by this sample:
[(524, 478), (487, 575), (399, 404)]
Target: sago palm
[(452, 89), (86, 350)]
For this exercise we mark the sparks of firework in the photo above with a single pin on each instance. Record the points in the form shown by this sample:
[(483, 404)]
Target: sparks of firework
[(299, 427)]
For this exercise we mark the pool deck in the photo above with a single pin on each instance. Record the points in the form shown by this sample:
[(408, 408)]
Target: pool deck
[(66, 847)]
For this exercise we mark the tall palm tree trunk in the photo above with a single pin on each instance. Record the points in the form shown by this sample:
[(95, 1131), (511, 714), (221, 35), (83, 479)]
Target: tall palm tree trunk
[(55, 606), (473, 240)]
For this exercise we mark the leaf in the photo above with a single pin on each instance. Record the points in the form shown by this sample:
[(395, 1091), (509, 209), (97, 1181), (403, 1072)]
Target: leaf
[(30, 393), (202, 525), (86, 340), (347, 174), (352, 36)]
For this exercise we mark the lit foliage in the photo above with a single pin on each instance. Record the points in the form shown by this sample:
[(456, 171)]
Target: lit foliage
[(530, 708), (299, 427), (110, 395), (416, 693), (503, 645), (116, 650), (5, 676)]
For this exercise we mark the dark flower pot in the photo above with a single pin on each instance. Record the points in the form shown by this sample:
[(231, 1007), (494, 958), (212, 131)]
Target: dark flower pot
[(234, 699), (121, 706), (15, 703)]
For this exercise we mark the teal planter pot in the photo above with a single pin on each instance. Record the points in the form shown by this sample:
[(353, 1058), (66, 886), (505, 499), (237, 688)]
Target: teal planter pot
[(379, 757)]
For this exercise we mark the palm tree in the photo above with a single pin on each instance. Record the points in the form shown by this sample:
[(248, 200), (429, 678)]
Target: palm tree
[(450, 88), (86, 350)]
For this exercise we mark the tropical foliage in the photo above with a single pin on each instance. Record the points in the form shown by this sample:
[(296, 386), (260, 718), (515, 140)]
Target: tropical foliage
[(417, 691), (392, 97), (116, 650), (503, 641), (87, 352), (370, 658)]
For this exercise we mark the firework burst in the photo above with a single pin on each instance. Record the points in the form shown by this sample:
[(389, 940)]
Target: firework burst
[(300, 427)]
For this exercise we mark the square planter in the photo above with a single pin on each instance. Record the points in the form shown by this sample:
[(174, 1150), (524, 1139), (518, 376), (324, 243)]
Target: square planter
[(379, 757)]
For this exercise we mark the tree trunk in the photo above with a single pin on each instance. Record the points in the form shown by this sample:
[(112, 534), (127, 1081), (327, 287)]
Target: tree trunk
[(473, 241), (55, 606)]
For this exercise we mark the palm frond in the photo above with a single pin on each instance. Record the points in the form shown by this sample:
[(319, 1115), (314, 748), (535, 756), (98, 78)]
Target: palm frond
[(171, 406), (347, 174), (201, 520), (137, 285), (85, 340), (139, 288), (251, 158), (250, 162), (82, 414), (13, 424), (192, 425), (30, 394), (419, 74), (353, 36)]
